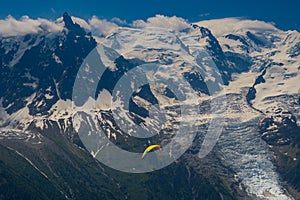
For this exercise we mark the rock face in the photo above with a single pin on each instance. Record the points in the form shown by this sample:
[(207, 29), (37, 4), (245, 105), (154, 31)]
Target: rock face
[(39, 128), (44, 65)]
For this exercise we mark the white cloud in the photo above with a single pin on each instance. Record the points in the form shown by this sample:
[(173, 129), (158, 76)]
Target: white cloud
[(119, 22), (224, 26), (173, 23), (48, 25), (25, 25), (81, 23), (12, 27), (100, 27)]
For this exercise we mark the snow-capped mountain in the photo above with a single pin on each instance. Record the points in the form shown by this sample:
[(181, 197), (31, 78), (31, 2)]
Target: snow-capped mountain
[(256, 155)]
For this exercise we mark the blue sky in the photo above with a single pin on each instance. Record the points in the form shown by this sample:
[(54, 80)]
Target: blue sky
[(285, 14)]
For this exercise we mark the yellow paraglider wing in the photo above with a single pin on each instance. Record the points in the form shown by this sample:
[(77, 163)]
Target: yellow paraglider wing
[(150, 148)]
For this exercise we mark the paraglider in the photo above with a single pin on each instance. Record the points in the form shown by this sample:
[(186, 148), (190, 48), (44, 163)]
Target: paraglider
[(151, 148)]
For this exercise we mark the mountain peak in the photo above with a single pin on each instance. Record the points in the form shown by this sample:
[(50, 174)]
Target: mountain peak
[(73, 26), (65, 14), (68, 21)]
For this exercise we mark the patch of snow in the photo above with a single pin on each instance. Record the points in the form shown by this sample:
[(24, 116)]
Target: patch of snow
[(4, 116), (47, 96), (56, 58)]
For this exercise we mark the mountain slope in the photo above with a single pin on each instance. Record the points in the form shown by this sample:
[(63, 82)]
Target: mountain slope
[(255, 157)]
